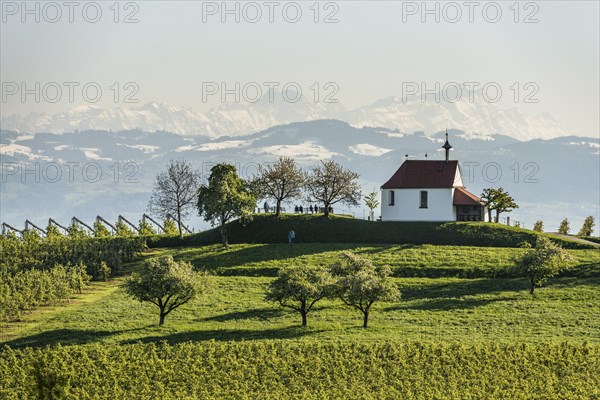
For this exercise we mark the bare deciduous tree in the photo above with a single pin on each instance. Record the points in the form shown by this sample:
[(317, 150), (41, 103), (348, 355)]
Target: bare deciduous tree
[(175, 191), (329, 183), (280, 181)]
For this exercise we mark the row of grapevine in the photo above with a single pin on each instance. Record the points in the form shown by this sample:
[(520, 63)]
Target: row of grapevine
[(37, 271), (303, 370), (23, 291), (102, 256)]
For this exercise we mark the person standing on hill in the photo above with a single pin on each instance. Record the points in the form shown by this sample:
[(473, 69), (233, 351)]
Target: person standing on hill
[(291, 236)]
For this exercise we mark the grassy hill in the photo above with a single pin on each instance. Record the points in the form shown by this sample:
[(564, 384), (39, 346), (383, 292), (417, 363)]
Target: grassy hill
[(463, 309), (449, 293), (266, 228)]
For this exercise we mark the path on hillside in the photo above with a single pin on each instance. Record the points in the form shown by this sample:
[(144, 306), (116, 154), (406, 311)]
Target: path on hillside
[(573, 238)]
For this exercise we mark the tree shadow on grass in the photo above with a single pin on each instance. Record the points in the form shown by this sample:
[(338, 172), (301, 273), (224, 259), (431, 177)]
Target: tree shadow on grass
[(463, 287), (382, 248), (583, 271), (247, 271), (226, 335), (461, 294), (456, 295), (64, 337), (444, 304), (262, 314), (218, 260)]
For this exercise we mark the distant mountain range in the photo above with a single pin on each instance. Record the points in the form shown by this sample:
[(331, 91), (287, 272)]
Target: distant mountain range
[(550, 179), (475, 119)]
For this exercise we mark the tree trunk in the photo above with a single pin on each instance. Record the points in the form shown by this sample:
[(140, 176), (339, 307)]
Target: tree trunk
[(224, 235), (531, 288), (278, 209), (326, 211), (161, 321), (497, 216), (366, 319), (179, 223), (303, 312), (490, 215)]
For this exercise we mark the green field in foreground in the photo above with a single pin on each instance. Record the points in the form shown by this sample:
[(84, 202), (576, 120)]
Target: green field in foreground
[(436, 308), (465, 328)]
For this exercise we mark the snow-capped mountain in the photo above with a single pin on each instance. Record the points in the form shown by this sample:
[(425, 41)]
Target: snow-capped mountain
[(475, 119)]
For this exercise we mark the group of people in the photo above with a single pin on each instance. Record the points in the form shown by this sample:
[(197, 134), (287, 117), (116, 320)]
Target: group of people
[(311, 209), (300, 209)]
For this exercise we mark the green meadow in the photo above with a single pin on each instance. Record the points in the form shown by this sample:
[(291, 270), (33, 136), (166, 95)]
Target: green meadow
[(448, 293), (465, 327)]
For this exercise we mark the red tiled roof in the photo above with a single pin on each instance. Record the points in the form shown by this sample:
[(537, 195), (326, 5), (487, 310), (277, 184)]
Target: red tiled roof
[(462, 197), (423, 174)]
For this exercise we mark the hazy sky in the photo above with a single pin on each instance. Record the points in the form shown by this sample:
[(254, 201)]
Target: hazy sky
[(372, 52)]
